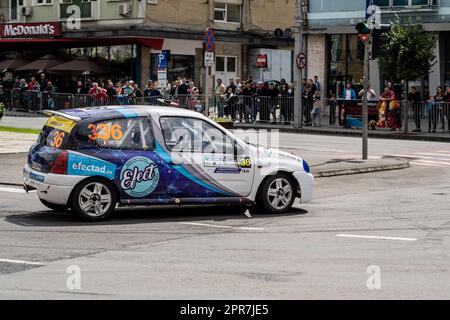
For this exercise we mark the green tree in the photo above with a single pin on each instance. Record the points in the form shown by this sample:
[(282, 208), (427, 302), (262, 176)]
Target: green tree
[(410, 51)]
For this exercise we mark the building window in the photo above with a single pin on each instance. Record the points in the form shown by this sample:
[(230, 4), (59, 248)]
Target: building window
[(84, 5), (406, 3), (44, 2), (344, 63), (226, 12)]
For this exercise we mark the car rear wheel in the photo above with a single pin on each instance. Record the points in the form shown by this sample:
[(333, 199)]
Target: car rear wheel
[(277, 194), (54, 206), (94, 200)]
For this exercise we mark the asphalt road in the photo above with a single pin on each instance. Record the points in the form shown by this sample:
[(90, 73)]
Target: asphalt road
[(395, 222)]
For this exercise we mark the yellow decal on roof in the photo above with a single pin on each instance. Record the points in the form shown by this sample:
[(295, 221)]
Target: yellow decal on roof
[(61, 123)]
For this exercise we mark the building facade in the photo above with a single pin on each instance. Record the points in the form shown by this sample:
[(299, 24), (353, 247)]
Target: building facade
[(335, 51), (242, 28)]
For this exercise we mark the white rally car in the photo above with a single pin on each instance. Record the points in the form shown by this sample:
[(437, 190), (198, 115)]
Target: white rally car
[(91, 160)]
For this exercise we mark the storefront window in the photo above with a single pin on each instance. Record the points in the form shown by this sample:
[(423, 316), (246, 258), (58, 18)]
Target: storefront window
[(178, 66), (344, 63)]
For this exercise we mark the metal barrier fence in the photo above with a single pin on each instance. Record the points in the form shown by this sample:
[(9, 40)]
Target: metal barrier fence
[(427, 116)]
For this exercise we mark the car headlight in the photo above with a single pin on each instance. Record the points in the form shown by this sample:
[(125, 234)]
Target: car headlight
[(306, 167)]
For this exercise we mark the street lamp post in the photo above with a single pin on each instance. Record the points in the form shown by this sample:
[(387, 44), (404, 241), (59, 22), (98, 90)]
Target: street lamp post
[(298, 105)]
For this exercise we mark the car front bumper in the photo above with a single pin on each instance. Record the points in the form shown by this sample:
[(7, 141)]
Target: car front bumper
[(306, 183), (53, 188)]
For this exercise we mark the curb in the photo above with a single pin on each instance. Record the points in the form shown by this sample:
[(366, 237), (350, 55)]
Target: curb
[(347, 172), (397, 136), (23, 114)]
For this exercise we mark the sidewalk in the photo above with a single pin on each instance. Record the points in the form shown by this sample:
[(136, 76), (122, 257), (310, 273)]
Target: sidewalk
[(14, 148), (339, 131)]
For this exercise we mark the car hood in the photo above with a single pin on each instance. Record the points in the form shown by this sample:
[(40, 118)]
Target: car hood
[(278, 158)]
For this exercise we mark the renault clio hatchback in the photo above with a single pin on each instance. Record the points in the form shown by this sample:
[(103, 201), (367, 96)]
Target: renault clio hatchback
[(93, 160)]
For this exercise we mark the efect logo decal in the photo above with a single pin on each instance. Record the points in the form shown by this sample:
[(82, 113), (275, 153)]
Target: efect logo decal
[(80, 165), (139, 177)]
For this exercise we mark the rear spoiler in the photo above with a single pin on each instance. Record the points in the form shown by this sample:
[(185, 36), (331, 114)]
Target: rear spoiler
[(52, 113)]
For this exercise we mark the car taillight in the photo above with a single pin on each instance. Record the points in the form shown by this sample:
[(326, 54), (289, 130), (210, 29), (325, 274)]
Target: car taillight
[(60, 164)]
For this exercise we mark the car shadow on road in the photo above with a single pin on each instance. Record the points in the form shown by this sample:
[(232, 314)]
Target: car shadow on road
[(128, 216)]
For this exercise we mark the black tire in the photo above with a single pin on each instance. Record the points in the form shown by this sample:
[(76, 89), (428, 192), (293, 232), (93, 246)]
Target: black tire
[(263, 203), (55, 207), (89, 212)]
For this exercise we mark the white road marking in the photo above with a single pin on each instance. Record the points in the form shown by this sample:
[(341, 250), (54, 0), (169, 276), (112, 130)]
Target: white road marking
[(375, 237), (433, 162), (12, 190), (22, 262), (219, 226), (434, 154)]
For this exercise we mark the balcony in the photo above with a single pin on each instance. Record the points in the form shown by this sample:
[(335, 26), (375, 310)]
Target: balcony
[(85, 7)]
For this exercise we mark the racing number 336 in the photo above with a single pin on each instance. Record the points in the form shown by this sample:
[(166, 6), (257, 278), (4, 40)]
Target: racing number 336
[(105, 132), (58, 139)]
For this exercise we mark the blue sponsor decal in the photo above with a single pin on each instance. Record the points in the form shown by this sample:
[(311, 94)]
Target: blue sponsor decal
[(139, 177), (81, 165), (228, 170)]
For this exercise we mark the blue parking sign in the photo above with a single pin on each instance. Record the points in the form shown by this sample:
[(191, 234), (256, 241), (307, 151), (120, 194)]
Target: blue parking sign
[(162, 60)]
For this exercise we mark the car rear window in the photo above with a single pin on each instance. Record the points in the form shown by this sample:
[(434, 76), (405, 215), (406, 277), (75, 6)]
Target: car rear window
[(123, 133), (56, 132)]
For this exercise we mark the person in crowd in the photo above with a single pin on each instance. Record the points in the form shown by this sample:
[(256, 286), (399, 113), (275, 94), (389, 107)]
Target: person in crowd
[(447, 107), (434, 106), (333, 107), (349, 97), (415, 99), (118, 88), (312, 85), (34, 85), (238, 86), (388, 115), (111, 91), (286, 103), (81, 89), (308, 100), (317, 109), (148, 88), (261, 104), (273, 94), (371, 94), (246, 105), (183, 87), (231, 86), (137, 93), (93, 92), (48, 92), (43, 81), (154, 92), (220, 97), (230, 103), (317, 83)]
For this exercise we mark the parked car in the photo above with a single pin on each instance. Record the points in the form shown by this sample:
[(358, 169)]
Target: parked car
[(91, 160)]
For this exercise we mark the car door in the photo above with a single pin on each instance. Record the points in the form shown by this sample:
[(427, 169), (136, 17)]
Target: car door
[(210, 163)]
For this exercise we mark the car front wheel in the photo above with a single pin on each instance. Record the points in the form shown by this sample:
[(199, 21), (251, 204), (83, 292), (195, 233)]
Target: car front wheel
[(277, 194), (94, 200)]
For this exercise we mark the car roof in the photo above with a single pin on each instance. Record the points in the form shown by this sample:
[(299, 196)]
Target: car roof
[(125, 111)]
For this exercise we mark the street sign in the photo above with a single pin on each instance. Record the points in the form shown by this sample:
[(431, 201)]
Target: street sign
[(301, 60), (261, 60), (209, 59), (209, 40), (162, 60)]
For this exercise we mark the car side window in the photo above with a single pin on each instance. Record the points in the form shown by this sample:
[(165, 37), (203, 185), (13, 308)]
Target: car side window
[(123, 134), (194, 135)]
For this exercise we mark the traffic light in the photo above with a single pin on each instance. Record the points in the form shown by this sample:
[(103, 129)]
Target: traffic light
[(362, 28), (379, 41)]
